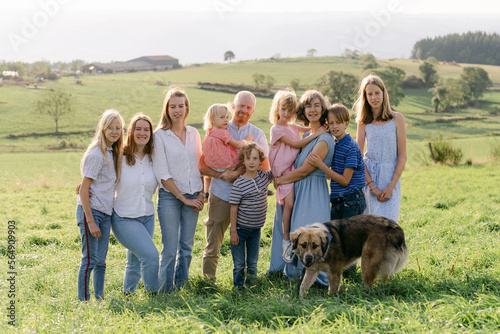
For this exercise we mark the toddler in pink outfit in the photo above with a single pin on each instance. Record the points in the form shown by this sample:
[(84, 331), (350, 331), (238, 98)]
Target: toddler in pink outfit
[(219, 149), (285, 145)]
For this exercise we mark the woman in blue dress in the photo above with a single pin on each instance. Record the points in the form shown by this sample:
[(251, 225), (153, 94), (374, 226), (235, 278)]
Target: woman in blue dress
[(385, 158), (312, 199)]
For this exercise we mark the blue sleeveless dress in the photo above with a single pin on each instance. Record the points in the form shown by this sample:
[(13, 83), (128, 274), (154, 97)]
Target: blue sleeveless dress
[(380, 159), (312, 205)]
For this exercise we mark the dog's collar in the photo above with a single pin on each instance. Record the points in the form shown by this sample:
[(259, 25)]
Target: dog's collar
[(329, 238)]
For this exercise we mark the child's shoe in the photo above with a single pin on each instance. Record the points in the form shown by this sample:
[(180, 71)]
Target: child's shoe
[(287, 251)]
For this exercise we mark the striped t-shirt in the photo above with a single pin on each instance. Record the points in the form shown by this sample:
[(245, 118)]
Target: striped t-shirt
[(251, 197), (347, 154)]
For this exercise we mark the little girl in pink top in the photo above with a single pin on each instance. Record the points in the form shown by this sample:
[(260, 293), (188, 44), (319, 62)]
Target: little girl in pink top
[(219, 149), (285, 145)]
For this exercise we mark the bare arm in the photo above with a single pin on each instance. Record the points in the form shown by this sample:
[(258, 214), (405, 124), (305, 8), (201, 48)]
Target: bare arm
[(402, 157), (235, 240), (342, 179), (196, 203), (321, 149), (85, 199), (240, 143), (301, 142)]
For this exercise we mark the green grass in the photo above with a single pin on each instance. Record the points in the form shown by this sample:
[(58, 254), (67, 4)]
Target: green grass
[(450, 216)]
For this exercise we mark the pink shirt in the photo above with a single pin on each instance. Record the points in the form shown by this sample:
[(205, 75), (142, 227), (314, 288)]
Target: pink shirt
[(282, 156), (216, 150)]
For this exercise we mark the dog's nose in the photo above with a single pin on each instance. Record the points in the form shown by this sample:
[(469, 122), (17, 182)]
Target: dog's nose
[(308, 259)]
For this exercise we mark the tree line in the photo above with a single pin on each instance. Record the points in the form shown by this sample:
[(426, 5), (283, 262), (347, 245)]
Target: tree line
[(471, 48)]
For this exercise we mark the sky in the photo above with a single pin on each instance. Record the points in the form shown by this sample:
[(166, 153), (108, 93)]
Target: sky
[(199, 31)]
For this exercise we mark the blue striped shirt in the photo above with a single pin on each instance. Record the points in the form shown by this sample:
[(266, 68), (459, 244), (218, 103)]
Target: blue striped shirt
[(250, 194), (347, 154)]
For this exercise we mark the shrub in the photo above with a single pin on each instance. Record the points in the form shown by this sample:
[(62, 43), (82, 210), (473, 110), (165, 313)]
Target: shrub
[(444, 152)]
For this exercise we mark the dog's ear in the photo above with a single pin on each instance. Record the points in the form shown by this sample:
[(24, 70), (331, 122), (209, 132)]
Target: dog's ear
[(324, 243), (294, 237)]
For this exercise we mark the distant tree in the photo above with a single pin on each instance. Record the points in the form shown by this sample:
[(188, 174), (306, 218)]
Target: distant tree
[(350, 54), (429, 74), (258, 79), (393, 78), (369, 61), (449, 92), (294, 83), (76, 64), (477, 79), (41, 69), (61, 66), (338, 87), (311, 52), (55, 103), (270, 82), (433, 60), (228, 56)]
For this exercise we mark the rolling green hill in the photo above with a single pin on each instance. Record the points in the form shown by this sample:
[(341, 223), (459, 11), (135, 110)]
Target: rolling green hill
[(143, 92)]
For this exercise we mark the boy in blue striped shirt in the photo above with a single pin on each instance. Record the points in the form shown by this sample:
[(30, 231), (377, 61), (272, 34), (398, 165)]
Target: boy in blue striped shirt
[(347, 170), (248, 212)]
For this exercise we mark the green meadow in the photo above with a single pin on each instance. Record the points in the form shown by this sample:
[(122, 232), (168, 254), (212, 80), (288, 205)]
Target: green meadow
[(450, 215)]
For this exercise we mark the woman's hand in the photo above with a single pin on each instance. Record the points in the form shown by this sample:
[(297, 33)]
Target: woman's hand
[(196, 203), (314, 159), (375, 191), (276, 183), (235, 240), (95, 231), (385, 195)]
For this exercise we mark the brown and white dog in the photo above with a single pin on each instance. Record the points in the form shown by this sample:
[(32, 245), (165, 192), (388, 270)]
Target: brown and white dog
[(379, 241)]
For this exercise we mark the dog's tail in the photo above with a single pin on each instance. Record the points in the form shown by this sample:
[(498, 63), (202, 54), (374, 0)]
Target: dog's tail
[(401, 251)]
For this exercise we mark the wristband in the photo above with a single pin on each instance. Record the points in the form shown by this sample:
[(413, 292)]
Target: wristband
[(369, 182)]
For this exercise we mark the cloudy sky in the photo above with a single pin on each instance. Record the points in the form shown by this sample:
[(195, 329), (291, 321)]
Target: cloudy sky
[(202, 30)]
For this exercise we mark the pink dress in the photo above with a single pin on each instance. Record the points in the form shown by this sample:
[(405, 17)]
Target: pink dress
[(216, 150), (282, 157)]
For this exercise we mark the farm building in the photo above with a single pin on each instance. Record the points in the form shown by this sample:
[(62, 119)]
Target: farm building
[(145, 63)]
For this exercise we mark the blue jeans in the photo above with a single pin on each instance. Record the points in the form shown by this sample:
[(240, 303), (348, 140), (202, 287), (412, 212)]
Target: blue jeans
[(178, 226), (94, 251), (136, 234), (245, 255), (349, 205)]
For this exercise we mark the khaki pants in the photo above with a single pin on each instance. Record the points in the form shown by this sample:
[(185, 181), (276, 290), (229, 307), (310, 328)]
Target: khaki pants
[(218, 212)]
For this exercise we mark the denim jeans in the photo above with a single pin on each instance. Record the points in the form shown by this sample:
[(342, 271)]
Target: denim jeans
[(136, 234), (94, 251), (178, 226), (245, 255), (348, 205)]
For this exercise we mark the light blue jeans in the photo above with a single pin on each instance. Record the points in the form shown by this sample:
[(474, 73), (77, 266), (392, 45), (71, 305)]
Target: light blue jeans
[(94, 251), (136, 234), (178, 226), (245, 255)]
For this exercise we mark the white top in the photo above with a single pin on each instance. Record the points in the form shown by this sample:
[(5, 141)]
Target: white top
[(134, 192), (173, 160)]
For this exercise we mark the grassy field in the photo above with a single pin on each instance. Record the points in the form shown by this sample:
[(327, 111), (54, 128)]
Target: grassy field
[(451, 218), (450, 214)]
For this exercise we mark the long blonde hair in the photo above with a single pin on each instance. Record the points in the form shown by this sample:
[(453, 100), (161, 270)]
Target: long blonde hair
[(362, 108), (165, 120), (212, 112), (130, 145), (99, 140), (286, 99)]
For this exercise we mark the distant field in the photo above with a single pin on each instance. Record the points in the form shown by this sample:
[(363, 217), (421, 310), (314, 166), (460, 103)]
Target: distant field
[(139, 92)]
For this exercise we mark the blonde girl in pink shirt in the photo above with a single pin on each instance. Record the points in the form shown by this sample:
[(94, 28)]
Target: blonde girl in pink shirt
[(219, 149), (285, 145)]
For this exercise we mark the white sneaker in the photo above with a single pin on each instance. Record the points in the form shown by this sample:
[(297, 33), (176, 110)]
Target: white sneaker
[(287, 251)]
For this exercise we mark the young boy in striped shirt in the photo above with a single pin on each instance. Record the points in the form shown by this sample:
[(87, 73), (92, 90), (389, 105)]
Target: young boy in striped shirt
[(248, 213), (347, 170)]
